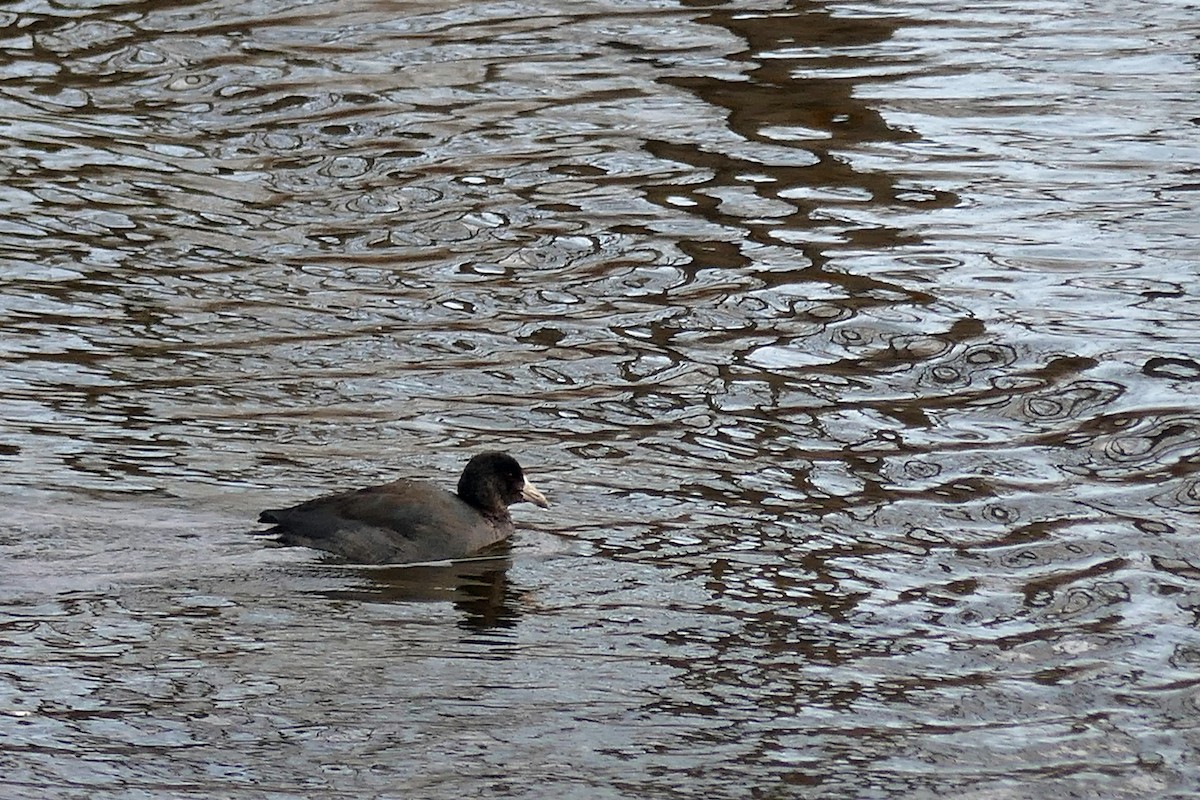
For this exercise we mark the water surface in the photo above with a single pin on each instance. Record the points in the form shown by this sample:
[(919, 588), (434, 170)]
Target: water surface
[(855, 344)]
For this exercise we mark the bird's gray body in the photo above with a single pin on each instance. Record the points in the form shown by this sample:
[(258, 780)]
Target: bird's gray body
[(399, 522)]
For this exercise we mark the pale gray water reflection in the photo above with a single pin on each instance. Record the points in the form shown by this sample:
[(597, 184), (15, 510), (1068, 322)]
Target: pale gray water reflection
[(855, 345)]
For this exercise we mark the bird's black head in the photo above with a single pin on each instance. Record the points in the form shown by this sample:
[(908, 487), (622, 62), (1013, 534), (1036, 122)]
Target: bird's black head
[(493, 481)]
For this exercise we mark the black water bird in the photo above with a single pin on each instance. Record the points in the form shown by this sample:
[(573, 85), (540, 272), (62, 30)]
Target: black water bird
[(408, 521)]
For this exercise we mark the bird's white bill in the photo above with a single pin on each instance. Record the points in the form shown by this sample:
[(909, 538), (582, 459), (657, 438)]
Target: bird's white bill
[(529, 492)]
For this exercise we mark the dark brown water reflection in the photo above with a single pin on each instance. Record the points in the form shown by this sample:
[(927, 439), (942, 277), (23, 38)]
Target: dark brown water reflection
[(856, 344)]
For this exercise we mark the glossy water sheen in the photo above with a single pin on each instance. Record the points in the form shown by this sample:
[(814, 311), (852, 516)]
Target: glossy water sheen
[(856, 345)]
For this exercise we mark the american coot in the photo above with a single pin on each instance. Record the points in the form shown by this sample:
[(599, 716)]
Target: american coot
[(409, 521)]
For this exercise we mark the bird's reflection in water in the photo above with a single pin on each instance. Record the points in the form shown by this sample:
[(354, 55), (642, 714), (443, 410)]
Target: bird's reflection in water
[(478, 587)]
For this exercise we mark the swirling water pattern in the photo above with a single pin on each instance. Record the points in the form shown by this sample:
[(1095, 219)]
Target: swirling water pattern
[(856, 345)]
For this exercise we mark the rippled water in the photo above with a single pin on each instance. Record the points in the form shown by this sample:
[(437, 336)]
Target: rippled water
[(856, 345)]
